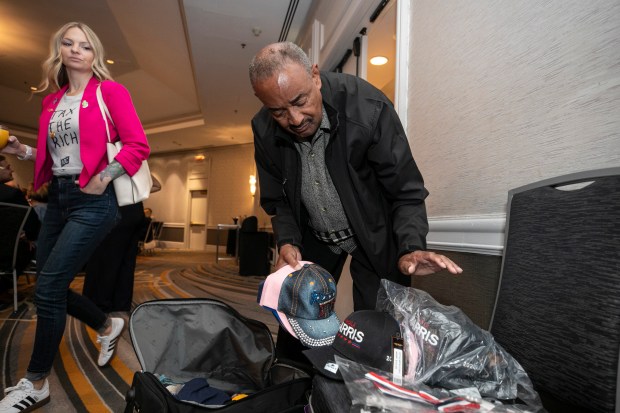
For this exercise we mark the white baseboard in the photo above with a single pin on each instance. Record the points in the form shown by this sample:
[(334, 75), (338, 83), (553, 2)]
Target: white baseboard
[(482, 234)]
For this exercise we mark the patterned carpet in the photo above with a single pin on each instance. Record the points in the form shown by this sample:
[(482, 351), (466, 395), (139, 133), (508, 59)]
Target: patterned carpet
[(77, 384)]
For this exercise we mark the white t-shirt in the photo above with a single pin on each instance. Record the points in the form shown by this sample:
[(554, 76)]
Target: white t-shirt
[(63, 136)]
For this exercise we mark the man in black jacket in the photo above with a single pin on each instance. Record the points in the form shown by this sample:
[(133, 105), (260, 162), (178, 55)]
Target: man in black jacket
[(337, 175)]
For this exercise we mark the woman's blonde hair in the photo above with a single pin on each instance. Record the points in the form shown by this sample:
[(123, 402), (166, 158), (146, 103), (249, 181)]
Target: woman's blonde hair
[(55, 73)]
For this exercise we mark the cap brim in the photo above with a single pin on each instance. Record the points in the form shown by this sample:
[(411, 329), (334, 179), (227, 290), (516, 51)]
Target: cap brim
[(315, 333), (322, 358), (281, 317)]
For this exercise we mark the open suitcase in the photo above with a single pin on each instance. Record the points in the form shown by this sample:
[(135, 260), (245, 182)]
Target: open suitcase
[(184, 339)]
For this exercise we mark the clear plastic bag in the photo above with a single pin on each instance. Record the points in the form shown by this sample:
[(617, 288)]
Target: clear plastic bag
[(445, 349), (364, 393), (381, 395)]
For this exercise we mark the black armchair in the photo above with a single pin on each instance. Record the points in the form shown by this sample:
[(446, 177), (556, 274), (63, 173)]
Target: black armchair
[(13, 219), (557, 309)]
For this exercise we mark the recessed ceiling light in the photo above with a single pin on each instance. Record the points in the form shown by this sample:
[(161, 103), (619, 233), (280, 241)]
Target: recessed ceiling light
[(378, 60), (110, 61)]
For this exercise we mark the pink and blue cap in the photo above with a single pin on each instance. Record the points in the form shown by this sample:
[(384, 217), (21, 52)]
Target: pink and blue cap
[(303, 302)]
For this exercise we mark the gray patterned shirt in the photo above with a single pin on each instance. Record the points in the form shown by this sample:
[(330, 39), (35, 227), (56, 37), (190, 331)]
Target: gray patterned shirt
[(319, 195)]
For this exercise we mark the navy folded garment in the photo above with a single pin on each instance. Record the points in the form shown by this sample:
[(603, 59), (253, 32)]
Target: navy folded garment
[(198, 390)]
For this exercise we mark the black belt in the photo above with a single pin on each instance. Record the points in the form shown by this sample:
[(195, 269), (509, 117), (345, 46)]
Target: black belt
[(334, 236), (73, 178)]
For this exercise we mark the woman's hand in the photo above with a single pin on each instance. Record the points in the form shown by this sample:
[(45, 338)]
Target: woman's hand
[(97, 185), (99, 182)]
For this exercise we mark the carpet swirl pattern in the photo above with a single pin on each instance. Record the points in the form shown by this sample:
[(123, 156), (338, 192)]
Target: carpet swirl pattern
[(77, 384)]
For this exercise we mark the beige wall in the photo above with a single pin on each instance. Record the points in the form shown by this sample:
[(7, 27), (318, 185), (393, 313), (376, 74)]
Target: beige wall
[(229, 169), (505, 93)]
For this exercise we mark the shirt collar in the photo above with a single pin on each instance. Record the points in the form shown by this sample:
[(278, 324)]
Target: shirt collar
[(323, 128)]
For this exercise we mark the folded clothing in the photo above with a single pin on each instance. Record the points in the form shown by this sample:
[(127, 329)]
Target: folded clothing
[(198, 390)]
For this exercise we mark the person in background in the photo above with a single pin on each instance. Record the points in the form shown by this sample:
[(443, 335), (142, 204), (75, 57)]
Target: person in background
[(82, 207), (38, 200), (148, 214), (110, 270), (337, 174), (26, 248), (13, 195), (146, 232)]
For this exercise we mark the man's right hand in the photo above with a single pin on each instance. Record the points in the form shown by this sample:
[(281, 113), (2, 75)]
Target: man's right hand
[(289, 255)]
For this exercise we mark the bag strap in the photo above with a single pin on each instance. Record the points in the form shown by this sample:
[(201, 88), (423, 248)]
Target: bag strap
[(104, 111)]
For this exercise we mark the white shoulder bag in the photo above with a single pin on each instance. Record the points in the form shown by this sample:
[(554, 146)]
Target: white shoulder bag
[(129, 189)]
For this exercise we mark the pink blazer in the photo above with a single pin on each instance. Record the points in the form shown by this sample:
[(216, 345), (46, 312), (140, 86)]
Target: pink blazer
[(93, 136)]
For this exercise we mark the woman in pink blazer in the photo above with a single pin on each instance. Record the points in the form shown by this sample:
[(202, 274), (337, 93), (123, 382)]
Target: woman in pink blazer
[(82, 208)]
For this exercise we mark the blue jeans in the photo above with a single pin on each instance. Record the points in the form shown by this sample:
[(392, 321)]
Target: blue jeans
[(75, 223)]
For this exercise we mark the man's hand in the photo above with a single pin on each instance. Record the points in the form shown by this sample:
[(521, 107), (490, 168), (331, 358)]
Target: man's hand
[(96, 185), (289, 254), (426, 262)]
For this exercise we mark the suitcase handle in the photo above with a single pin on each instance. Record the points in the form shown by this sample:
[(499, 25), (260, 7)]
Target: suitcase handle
[(129, 398)]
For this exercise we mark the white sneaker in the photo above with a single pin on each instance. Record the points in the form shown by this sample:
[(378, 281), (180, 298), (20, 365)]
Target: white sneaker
[(108, 343), (24, 398)]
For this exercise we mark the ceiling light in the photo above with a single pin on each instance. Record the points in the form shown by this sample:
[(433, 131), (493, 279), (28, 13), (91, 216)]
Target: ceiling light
[(378, 60), (110, 61)]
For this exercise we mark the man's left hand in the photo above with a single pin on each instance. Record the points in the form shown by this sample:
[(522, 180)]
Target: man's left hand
[(426, 262)]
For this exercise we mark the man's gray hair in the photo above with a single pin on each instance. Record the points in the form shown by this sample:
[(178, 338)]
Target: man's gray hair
[(271, 59)]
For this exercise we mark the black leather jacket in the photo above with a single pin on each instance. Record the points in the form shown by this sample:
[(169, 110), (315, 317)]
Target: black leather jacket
[(370, 163)]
